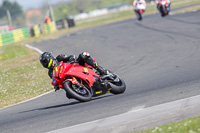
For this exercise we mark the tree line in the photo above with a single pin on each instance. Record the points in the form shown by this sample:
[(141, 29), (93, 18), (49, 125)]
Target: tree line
[(13, 7), (15, 11)]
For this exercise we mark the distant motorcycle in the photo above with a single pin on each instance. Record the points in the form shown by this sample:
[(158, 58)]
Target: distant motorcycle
[(163, 6), (139, 10), (82, 83)]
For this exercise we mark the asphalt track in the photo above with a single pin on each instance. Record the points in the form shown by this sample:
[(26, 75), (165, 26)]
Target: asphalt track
[(158, 58)]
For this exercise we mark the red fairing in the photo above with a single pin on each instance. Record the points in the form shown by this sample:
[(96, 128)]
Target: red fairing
[(64, 70), (160, 1), (55, 82), (140, 11)]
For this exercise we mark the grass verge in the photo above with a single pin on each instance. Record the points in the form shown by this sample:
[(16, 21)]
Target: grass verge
[(21, 75), (191, 125)]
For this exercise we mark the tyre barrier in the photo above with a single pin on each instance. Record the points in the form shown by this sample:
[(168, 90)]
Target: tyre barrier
[(35, 31), (23, 33), (70, 22), (49, 28), (13, 36), (61, 24)]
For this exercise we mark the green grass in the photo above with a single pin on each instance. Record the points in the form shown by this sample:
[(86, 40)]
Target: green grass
[(21, 75), (8, 53), (191, 125)]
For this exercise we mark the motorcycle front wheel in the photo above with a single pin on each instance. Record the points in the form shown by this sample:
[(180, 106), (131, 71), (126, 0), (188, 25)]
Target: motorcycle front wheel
[(139, 16), (162, 11), (82, 95), (118, 87)]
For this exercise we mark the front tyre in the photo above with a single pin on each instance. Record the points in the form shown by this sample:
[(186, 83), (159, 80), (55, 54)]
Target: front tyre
[(139, 15), (118, 87), (83, 95), (163, 11)]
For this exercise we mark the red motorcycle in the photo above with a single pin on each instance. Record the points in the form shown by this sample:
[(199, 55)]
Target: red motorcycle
[(139, 10), (82, 83), (164, 7)]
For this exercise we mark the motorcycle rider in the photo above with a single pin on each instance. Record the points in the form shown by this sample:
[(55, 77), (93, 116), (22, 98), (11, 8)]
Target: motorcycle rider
[(167, 4), (48, 61), (137, 2)]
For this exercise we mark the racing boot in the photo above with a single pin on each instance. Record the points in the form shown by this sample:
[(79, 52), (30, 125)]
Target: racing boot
[(105, 74), (100, 69), (85, 56)]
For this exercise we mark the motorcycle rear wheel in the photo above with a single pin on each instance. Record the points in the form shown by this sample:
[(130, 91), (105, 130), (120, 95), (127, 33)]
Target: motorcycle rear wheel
[(73, 94)]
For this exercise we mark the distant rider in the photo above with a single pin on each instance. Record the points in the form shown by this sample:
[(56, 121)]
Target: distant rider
[(137, 2), (48, 61), (167, 5)]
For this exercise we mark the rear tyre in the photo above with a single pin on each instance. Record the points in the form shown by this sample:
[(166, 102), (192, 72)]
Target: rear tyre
[(83, 95), (118, 87)]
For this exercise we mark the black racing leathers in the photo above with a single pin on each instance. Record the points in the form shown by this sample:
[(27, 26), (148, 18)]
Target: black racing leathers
[(82, 59), (58, 59)]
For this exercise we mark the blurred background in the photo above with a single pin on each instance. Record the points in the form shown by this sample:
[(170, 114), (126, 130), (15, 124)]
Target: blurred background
[(20, 13)]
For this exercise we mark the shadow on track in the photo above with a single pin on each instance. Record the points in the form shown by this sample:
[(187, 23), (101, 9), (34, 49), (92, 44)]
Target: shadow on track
[(51, 107), (67, 104)]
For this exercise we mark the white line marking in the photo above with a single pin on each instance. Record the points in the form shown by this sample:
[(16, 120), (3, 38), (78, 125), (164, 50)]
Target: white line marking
[(34, 48)]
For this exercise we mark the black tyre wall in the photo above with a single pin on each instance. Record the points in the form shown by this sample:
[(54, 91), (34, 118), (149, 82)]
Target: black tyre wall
[(74, 95)]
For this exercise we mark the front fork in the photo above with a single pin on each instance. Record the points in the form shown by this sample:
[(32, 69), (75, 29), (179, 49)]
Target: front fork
[(79, 86)]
